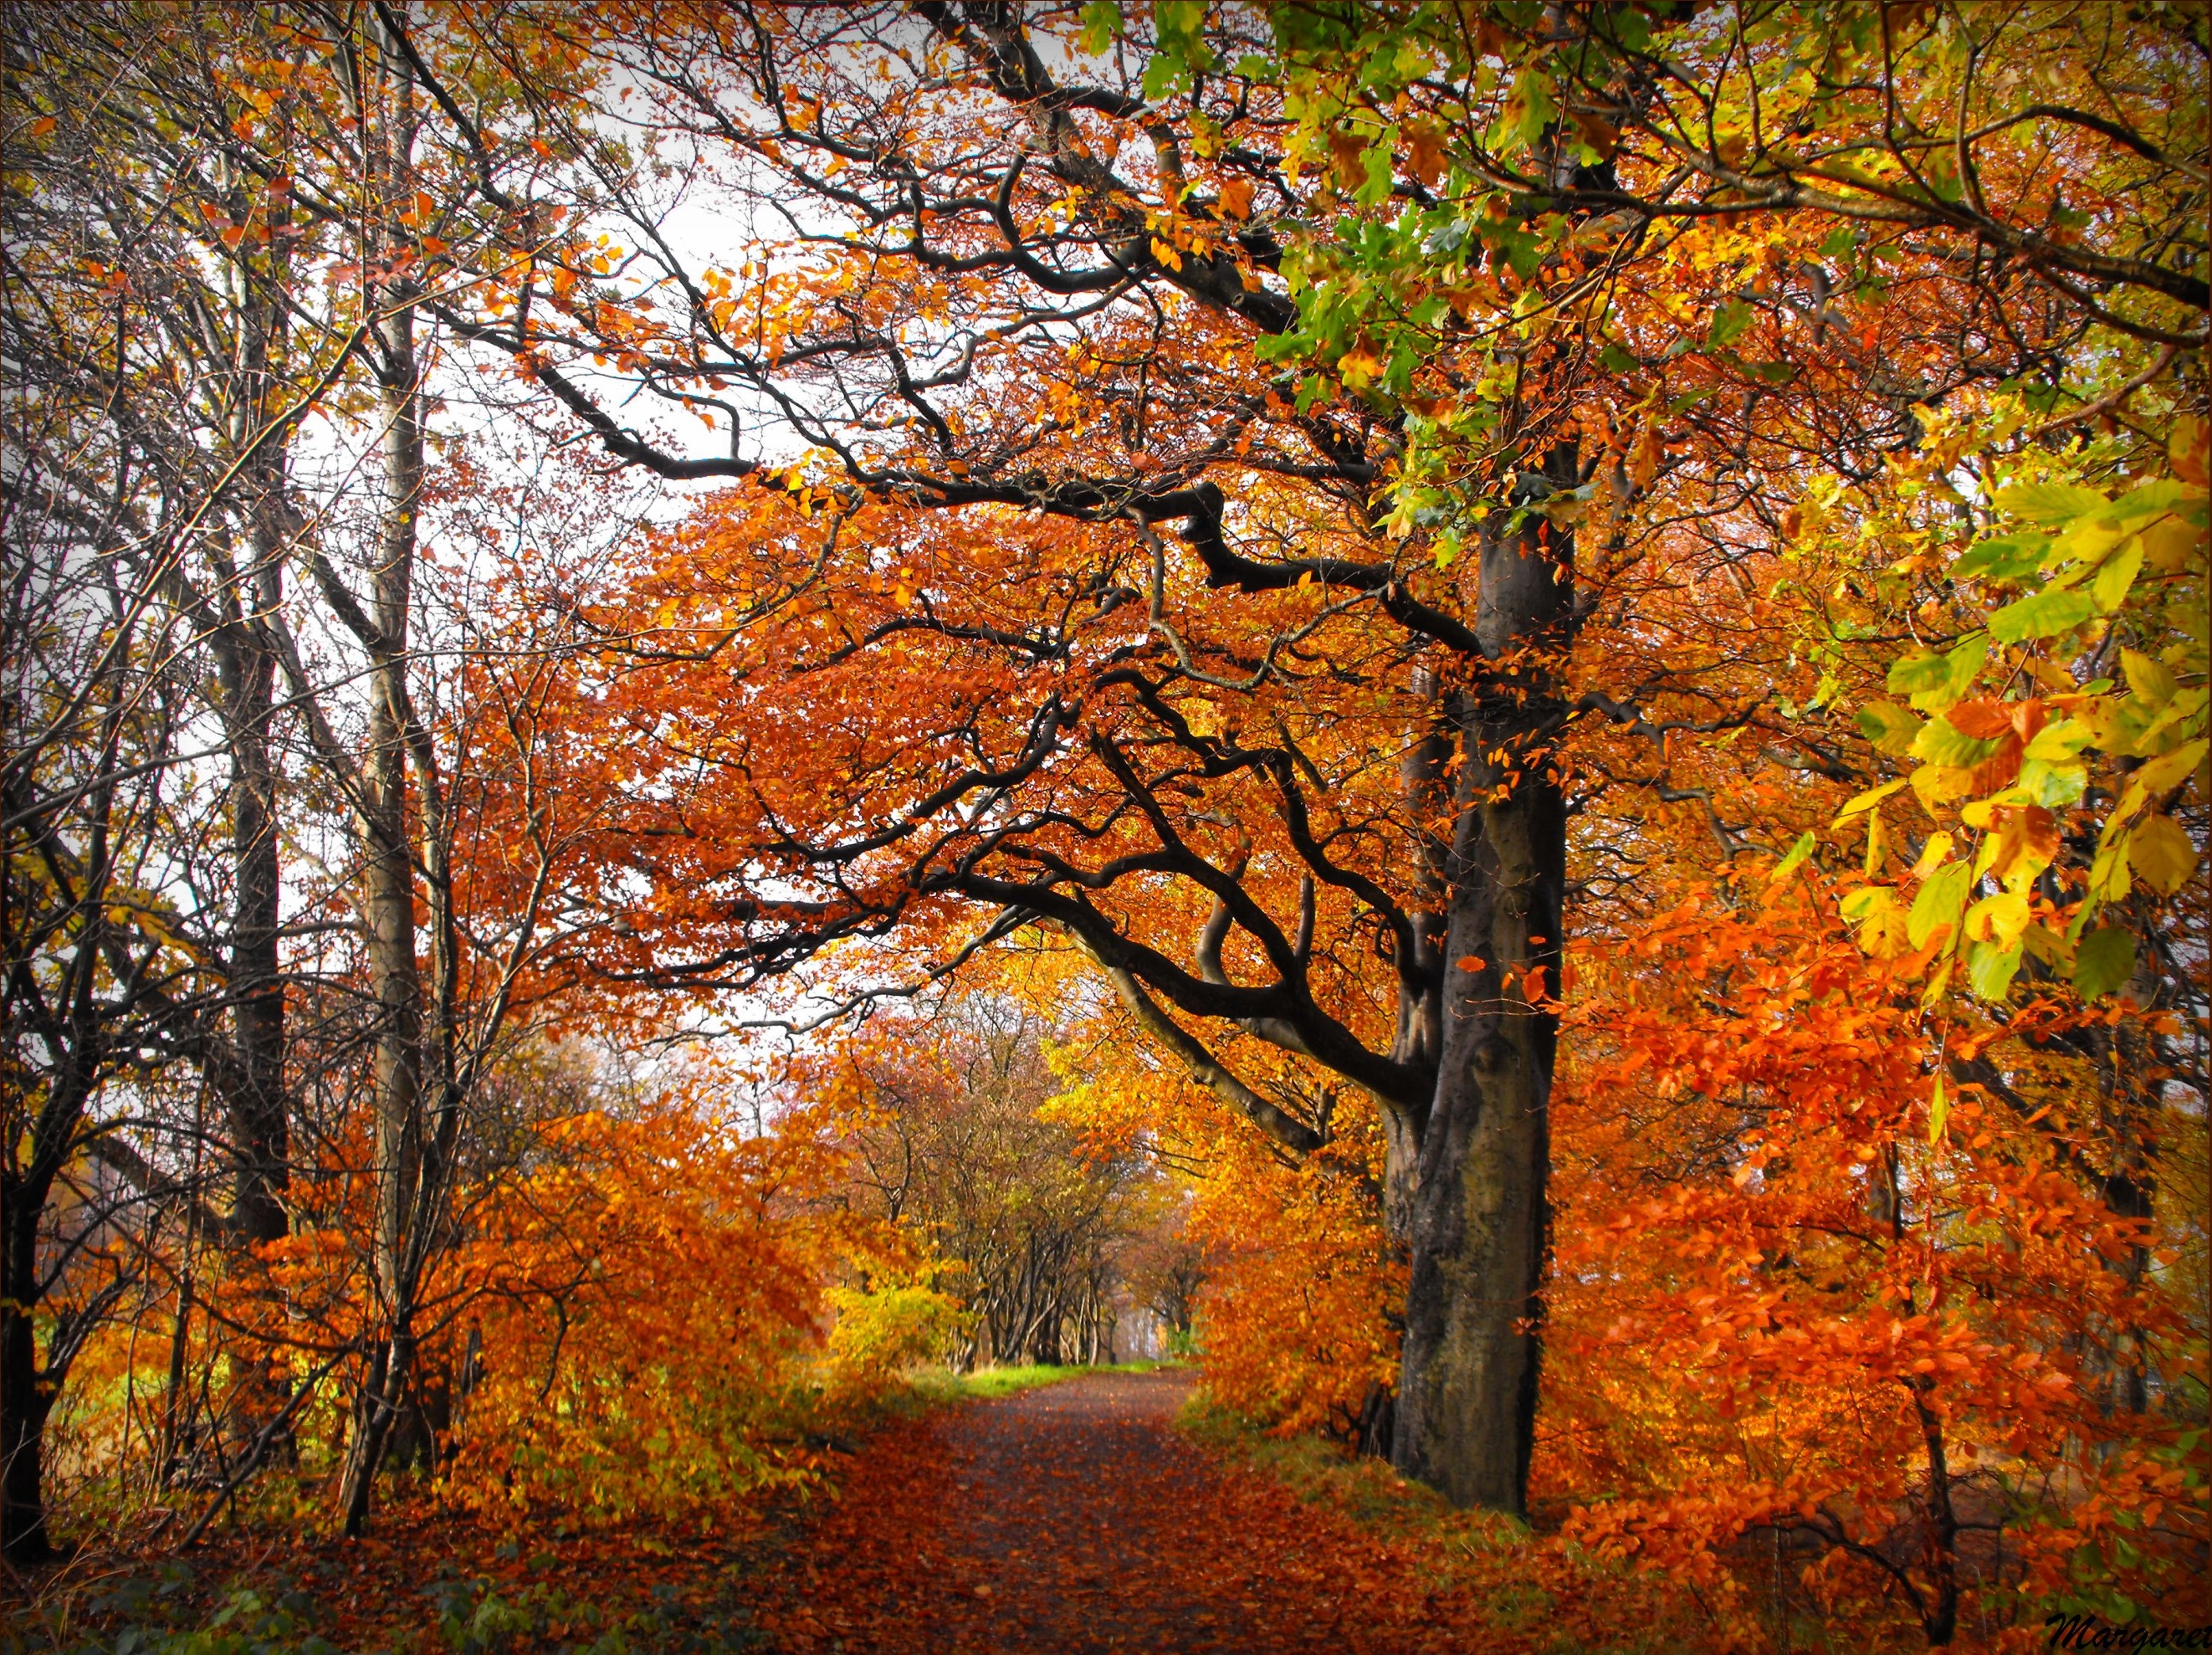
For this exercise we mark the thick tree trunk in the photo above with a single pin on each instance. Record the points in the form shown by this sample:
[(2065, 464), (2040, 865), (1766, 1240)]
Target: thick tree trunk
[(1467, 1401), (1469, 1198)]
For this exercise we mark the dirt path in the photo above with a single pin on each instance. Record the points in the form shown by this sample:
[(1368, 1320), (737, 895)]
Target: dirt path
[(1074, 1518)]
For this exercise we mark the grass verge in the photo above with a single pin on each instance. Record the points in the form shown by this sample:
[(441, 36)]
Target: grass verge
[(1536, 1594), (943, 1385), (1367, 1491)]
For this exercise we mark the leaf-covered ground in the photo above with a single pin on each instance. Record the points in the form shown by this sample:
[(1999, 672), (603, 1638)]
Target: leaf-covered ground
[(997, 1517), (1077, 1519)]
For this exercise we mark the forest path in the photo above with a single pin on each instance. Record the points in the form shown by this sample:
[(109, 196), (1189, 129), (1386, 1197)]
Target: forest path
[(1075, 1518)]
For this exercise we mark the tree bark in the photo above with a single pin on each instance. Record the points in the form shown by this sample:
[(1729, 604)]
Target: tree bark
[(1472, 1205), (391, 908), (258, 1127), (25, 1395), (389, 902)]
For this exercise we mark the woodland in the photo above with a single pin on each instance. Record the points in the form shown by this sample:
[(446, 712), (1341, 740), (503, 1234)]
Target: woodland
[(1487, 717)]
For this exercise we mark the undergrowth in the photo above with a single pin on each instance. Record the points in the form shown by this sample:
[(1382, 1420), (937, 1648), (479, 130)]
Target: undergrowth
[(437, 1582)]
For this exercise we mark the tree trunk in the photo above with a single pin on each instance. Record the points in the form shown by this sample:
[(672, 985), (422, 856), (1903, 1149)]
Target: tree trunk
[(1472, 1208), (391, 963), (24, 1396), (258, 1131), (390, 896), (1467, 1401), (246, 656)]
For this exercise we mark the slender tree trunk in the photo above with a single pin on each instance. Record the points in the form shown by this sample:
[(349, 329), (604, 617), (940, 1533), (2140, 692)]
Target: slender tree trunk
[(390, 902), (391, 908), (25, 1397), (173, 1396), (247, 657), (258, 1127), (1473, 1211)]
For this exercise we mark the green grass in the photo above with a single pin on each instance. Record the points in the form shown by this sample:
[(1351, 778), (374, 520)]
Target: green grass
[(943, 1385)]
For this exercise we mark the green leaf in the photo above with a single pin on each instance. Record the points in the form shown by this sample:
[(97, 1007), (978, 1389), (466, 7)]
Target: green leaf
[(2006, 559), (2051, 502), (1538, 109), (1795, 859), (1616, 359), (1102, 24), (1939, 1109), (1940, 899), (2106, 959), (2053, 786), (2157, 495), (1889, 726), (2058, 744), (1990, 968), (1932, 681), (2041, 615), (1730, 323), (1942, 742)]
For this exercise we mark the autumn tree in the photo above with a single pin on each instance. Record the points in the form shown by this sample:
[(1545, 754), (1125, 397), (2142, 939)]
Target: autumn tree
[(1337, 302), (1328, 518), (221, 227), (153, 409), (953, 1133), (1238, 753)]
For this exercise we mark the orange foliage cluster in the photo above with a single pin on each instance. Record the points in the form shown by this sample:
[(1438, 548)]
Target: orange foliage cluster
[(1296, 1320), (643, 1317), (1778, 1304)]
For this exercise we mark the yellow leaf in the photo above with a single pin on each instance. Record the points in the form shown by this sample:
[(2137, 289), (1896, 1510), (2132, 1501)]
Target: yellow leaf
[(2108, 873), (2114, 581), (2188, 448), (1877, 850), (2168, 770), (2159, 849), (1932, 858), (1939, 981), (1938, 784), (2173, 547), (2148, 677), (1999, 919), (2022, 847), (1358, 368), (1868, 799), (1884, 936)]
